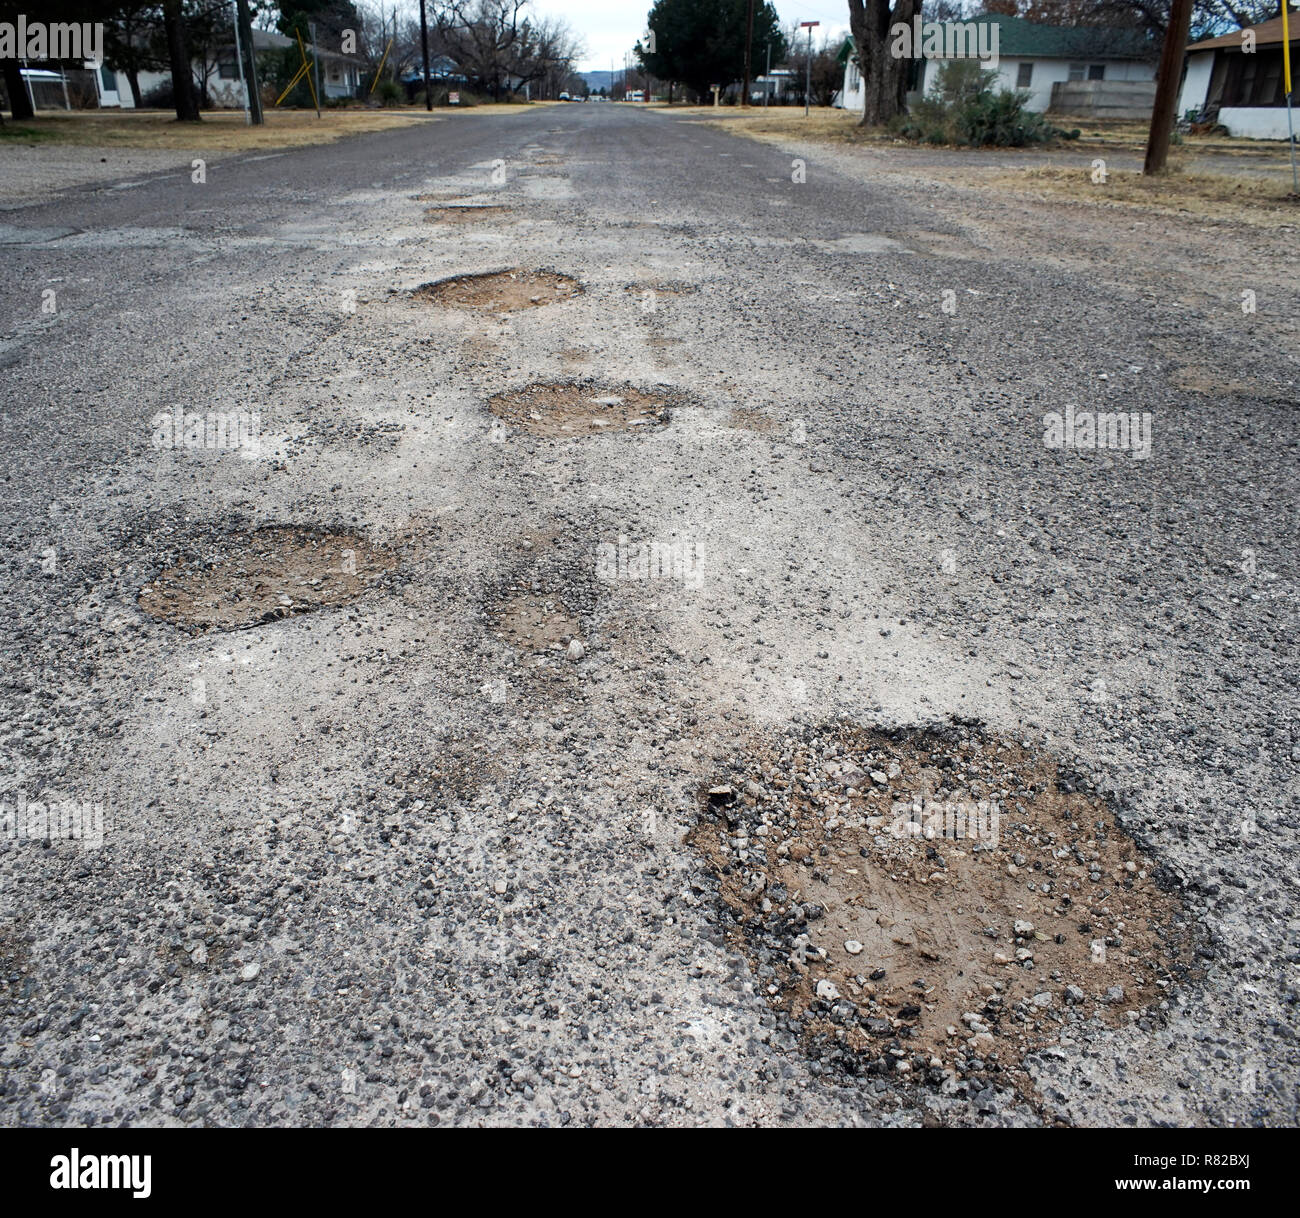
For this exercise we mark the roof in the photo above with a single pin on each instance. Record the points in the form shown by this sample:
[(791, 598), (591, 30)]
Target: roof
[(269, 40), (1266, 33), (1021, 39)]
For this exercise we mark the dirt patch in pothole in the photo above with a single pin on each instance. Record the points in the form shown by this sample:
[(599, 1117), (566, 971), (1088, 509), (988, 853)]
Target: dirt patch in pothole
[(745, 418), (935, 904), (1205, 380), (537, 624), (465, 213), (263, 576), (500, 291), (580, 408)]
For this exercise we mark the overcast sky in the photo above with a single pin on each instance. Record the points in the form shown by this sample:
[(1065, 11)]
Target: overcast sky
[(611, 27)]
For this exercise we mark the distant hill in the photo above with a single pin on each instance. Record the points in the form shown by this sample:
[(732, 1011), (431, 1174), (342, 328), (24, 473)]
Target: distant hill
[(599, 80)]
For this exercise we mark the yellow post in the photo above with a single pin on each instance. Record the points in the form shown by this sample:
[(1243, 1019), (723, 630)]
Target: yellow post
[(311, 84), (379, 70), (1286, 74), (297, 76), (1286, 49)]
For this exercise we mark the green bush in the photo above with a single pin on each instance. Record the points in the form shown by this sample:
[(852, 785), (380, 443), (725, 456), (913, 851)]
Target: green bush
[(389, 93), (963, 109)]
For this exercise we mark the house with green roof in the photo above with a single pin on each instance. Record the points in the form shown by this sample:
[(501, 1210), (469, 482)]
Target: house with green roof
[(1038, 59)]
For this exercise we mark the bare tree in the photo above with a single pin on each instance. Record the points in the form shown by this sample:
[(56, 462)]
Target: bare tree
[(485, 37), (499, 47)]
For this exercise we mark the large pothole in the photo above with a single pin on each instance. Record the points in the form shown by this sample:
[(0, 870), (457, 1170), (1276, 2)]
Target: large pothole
[(572, 408), (262, 576), (935, 903), (465, 213), (500, 291)]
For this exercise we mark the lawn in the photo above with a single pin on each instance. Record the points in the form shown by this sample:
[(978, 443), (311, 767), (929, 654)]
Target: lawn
[(220, 130)]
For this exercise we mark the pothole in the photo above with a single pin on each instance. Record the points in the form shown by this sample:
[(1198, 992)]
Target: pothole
[(746, 418), (580, 408), (465, 213), (500, 291), (537, 624), (1205, 380), (263, 576), (935, 903)]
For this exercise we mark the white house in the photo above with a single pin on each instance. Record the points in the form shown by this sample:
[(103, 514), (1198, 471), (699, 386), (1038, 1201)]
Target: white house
[(340, 75), (1033, 57), (63, 88), (1239, 87)]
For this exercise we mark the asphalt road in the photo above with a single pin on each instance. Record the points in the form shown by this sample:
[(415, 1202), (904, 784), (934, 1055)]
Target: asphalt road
[(373, 864)]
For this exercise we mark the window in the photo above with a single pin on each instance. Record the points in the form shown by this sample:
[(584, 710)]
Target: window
[(109, 78), (227, 68), (1097, 71), (1024, 75), (1077, 70)]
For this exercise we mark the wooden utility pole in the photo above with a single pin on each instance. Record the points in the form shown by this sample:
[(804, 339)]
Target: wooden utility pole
[(749, 44), (1168, 80), (424, 41), (315, 56), (245, 19)]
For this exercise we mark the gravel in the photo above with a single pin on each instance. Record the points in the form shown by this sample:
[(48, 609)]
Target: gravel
[(369, 865)]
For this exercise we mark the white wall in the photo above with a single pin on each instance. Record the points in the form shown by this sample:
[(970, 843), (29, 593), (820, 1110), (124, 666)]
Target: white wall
[(1046, 73), (1255, 122), (1196, 84), (852, 95)]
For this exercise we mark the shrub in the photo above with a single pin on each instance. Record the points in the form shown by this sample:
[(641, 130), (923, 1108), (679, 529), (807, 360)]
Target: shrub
[(389, 93), (962, 108), (160, 97)]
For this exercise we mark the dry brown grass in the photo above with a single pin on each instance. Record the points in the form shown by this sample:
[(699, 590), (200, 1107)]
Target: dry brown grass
[(1255, 199), (842, 127), (226, 131)]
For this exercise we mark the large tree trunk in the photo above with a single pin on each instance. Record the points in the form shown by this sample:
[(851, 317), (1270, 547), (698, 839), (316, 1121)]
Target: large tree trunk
[(884, 78), (133, 79), (178, 51), (19, 101)]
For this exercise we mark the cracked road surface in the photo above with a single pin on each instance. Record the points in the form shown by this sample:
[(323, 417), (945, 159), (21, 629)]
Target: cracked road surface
[(410, 846)]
